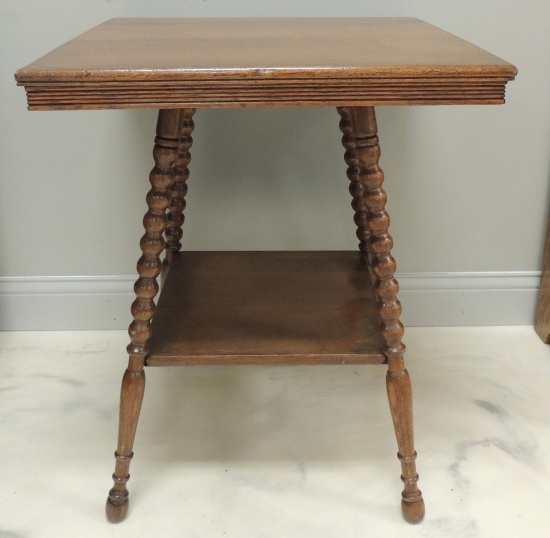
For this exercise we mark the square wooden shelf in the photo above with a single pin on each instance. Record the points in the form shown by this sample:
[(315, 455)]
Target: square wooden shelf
[(266, 308)]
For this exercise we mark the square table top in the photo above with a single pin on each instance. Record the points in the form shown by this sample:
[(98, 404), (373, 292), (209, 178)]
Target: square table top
[(165, 63)]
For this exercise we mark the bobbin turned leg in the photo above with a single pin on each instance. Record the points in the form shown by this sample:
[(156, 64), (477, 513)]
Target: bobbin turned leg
[(165, 153), (178, 191), (358, 125)]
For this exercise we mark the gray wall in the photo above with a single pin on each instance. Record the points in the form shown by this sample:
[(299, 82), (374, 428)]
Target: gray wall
[(468, 186)]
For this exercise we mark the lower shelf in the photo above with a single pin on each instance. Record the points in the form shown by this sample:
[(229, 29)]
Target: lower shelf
[(266, 308)]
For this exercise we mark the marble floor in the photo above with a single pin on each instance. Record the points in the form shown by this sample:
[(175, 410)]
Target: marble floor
[(277, 451)]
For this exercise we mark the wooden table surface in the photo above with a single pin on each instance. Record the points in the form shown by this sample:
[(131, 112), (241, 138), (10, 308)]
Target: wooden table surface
[(170, 63)]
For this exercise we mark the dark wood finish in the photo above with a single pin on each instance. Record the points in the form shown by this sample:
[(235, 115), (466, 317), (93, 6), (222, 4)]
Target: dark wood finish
[(165, 153), (369, 201), (542, 317), (266, 308), (192, 63)]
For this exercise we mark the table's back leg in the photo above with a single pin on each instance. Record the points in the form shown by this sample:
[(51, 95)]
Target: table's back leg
[(356, 187), (360, 139), (149, 267), (178, 191)]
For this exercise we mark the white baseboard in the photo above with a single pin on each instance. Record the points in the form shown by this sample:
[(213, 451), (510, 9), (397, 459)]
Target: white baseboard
[(429, 299)]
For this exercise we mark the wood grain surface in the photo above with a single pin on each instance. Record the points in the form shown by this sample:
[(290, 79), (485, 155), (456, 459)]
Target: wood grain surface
[(266, 308), (193, 63)]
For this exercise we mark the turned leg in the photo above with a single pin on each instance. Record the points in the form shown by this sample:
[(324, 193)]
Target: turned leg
[(356, 187), (178, 191), (360, 139), (149, 267)]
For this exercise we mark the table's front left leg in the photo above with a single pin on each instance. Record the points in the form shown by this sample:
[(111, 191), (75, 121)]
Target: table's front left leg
[(146, 287)]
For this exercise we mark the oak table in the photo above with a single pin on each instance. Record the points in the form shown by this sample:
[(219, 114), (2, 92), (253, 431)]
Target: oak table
[(265, 307)]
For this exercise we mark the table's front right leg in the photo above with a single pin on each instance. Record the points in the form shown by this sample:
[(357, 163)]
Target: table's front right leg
[(149, 267), (358, 125)]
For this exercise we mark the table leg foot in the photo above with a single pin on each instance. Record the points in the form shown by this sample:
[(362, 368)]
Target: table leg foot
[(115, 509), (413, 511)]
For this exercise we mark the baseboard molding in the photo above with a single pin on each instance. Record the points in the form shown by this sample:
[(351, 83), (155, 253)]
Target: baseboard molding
[(429, 299), (66, 303), (469, 299)]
